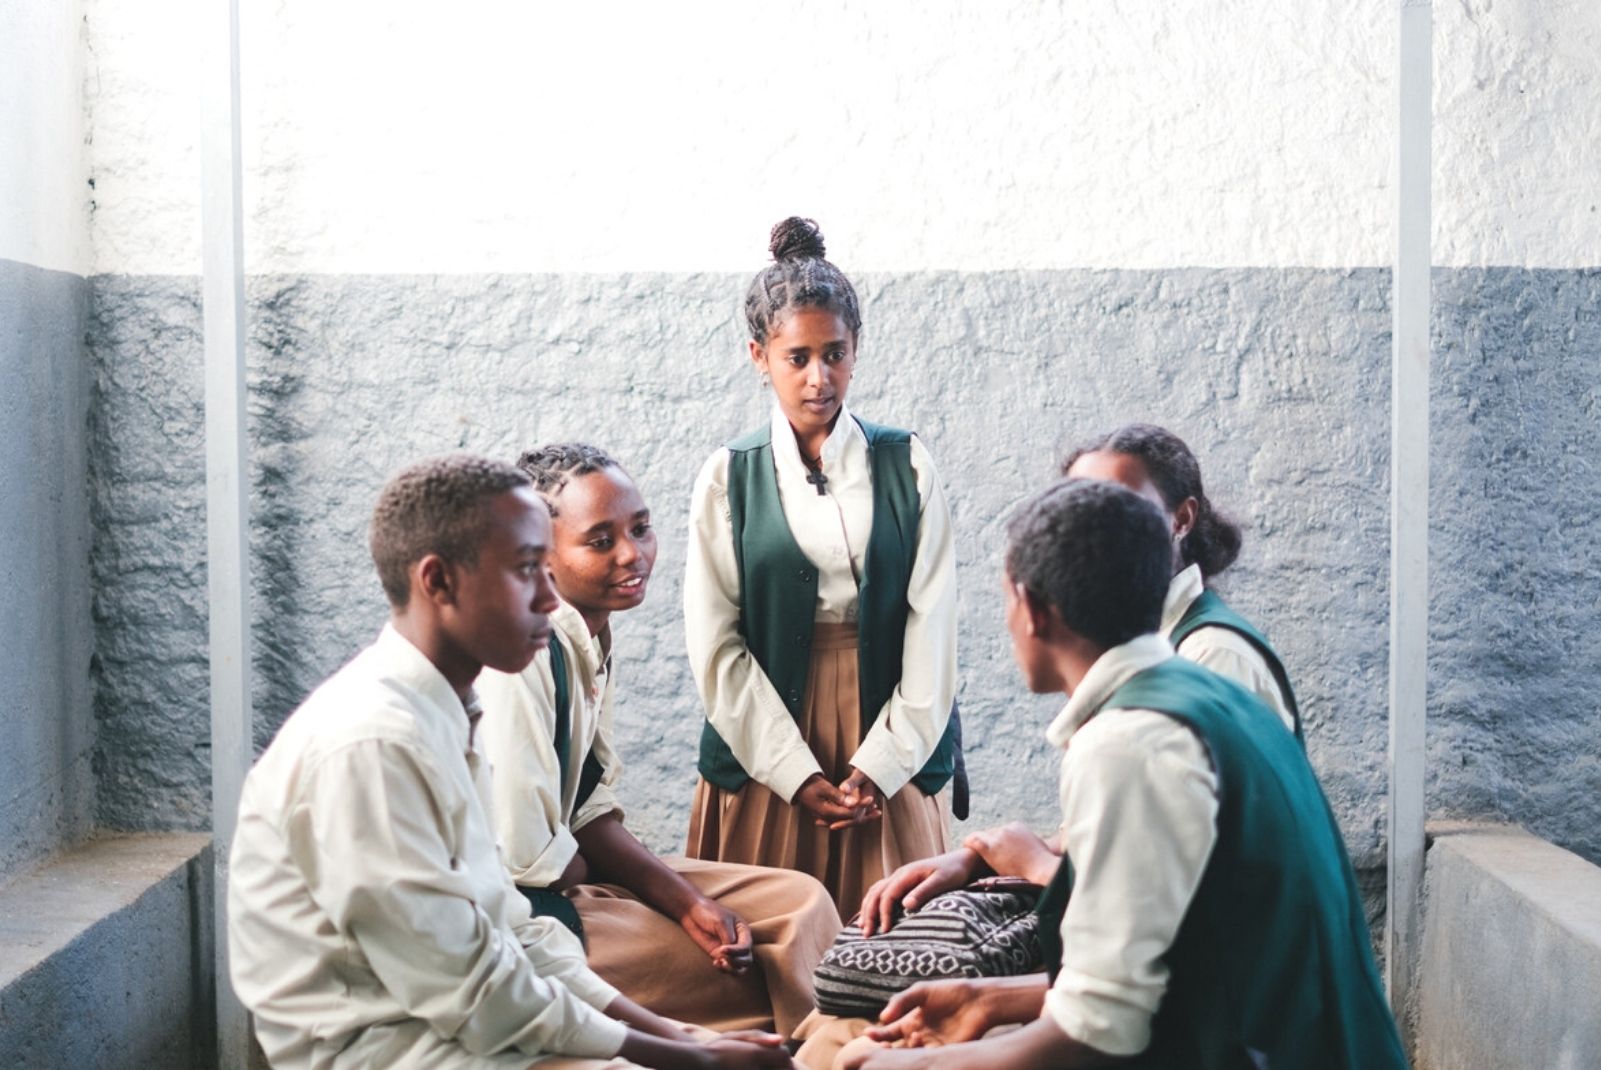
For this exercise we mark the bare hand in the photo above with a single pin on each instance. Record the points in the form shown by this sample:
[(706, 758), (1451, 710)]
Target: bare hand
[(721, 933), (737, 1052), (931, 1013), (861, 795), (913, 885), (1015, 851), (825, 802), (863, 1054)]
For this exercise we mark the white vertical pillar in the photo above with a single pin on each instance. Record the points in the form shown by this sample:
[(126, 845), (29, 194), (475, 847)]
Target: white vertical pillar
[(227, 483), (1409, 506)]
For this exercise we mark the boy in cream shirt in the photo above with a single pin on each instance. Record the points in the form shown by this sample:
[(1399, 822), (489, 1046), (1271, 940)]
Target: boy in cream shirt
[(371, 921)]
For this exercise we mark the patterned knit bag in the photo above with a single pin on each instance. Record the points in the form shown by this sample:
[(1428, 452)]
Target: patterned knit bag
[(987, 929)]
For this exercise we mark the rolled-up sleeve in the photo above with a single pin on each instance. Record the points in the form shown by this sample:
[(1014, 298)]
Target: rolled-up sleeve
[(370, 831), (911, 723), (740, 700), (1139, 800), (534, 841)]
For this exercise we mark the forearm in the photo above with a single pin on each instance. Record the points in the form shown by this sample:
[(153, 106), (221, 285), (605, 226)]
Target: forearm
[(1010, 1000), (616, 856), (1040, 1045), (641, 1020)]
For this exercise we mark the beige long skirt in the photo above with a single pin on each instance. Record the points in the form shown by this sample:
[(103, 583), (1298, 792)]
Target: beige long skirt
[(756, 827)]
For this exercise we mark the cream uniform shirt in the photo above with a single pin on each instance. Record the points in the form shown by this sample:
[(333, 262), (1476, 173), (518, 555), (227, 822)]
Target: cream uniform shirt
[(535, 813), (371, 919), (832, 530), (1225, 652), (1139, 820)]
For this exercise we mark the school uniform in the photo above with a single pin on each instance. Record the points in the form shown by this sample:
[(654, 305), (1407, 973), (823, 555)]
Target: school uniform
[(1206, 914), (371, 921), (548, 736), (820, 617), (1204, 629)]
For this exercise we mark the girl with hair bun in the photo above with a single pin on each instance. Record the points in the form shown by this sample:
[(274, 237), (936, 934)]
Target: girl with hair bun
[(820, 608), (1154, 462)]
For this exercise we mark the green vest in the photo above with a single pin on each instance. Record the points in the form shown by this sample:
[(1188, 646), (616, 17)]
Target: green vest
[(1273, 954), (1210, 611), (778, 591)]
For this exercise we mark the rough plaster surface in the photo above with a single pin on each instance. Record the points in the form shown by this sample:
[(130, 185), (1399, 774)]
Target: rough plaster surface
[(1278, 379), (106, 958), (1004, 135), (1508, 916), (46, 715)]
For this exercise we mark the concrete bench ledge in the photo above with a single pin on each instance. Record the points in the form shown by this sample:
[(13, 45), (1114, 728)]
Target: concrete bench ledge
[(1511, 970), (105, 956)]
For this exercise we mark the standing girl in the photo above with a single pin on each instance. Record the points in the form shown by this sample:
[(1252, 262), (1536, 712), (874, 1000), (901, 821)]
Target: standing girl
[(820, 608)]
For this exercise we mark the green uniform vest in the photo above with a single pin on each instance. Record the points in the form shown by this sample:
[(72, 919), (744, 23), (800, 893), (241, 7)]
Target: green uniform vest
[(1273, 955), (1210, 611), (778, 591)]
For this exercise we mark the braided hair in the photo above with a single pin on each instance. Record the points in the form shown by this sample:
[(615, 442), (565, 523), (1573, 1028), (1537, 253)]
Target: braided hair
[(798, 277), (553, 466), (1214, 541)]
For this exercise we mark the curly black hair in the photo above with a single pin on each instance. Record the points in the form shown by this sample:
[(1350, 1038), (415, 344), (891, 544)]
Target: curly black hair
[(438, 506), (798, 277), (1214, 542), (1095, 552)]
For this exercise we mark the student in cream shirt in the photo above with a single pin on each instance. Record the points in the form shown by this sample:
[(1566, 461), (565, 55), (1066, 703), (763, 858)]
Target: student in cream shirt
[(718, 945), (371, 919), (1176, 929), (819, 608)]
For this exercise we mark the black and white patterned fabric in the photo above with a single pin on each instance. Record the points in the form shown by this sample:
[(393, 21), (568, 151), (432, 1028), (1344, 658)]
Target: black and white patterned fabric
[(986, 930)]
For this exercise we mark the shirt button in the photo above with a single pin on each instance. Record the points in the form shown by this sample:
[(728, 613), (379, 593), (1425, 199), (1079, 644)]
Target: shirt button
[(794, 695), (804, 576)]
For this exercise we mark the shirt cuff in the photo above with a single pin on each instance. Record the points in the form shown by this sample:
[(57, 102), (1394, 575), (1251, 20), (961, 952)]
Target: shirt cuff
[(548, 866), (1107, 1024), (888, 774), (793, 770), (599, 1038)]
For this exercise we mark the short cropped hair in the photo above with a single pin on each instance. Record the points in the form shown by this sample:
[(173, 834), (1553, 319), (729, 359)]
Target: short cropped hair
[(438, 506), (1095, 552)]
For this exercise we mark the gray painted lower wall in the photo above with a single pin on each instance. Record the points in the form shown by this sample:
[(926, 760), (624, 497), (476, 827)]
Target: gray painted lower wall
[(46, 712), (1278, 379)]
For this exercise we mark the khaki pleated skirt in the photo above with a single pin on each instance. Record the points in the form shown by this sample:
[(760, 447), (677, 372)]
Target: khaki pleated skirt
[(756, 827)]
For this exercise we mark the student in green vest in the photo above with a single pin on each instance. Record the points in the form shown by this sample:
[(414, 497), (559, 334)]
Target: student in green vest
[(1156, 464), (1206, 915), (820, 608), (721, 946)]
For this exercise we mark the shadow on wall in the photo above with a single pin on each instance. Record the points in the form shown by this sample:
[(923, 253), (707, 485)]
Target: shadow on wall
[(1277, 378)]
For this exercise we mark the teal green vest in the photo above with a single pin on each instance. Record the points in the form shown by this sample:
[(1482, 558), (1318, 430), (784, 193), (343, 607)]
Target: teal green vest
[(778, 591), (1273, 955), (1210, 611)]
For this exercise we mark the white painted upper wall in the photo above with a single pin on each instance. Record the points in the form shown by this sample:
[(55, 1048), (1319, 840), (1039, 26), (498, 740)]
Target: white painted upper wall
[(501, 135), (44, 193)]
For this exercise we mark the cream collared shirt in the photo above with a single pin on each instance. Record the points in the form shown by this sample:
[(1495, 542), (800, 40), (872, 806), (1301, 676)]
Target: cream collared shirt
[(832, 530), (1225, 652), (1139, 820), (371, 919), (535, 812)]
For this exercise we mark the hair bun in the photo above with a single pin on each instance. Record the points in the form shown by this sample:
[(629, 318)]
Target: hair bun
[(796, 239)]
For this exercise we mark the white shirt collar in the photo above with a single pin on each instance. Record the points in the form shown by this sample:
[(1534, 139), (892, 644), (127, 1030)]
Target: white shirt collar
[(1110, 672), (401, 661), (585, 647), (1182, 592), (786, 451)]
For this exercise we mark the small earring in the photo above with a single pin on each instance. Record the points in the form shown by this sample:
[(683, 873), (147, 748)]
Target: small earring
[(766, 381)]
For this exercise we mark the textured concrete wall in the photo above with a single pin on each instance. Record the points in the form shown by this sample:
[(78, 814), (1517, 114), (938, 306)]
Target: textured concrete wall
[(949, 135), (46, 715), (1511, 954), (1279, 380)]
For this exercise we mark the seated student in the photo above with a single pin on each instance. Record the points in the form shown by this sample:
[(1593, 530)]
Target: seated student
[(1155, 463), (371, 921), (1206, 914), (720, 945)]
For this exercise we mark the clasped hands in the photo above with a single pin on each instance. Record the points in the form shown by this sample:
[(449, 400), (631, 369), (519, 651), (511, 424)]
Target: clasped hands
[(855, 801)]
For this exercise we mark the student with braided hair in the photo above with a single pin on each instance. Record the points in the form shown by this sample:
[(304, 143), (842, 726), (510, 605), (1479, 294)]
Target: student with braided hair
[(726, 947), (820, 608)]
